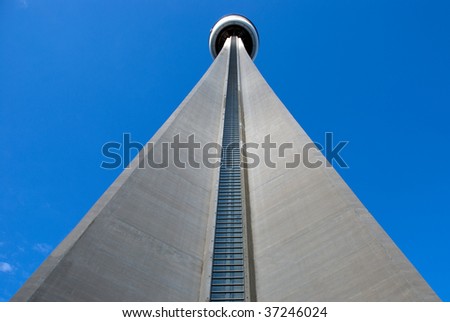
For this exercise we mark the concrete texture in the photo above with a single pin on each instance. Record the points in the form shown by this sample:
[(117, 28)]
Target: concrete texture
[(149, 237), (144, 240), (313, 240)]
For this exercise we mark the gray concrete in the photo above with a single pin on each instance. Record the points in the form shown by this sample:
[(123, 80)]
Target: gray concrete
[(149, 237), (144, 240), (313, 240)]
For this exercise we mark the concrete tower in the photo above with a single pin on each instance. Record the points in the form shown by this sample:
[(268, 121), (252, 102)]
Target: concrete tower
[(234, 230)]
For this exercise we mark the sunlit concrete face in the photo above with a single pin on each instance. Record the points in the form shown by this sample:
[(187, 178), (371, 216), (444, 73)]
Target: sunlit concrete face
[(144, 240), (150, 237)]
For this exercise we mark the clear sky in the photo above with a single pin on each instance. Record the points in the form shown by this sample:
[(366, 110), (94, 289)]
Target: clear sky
[(77, 74)]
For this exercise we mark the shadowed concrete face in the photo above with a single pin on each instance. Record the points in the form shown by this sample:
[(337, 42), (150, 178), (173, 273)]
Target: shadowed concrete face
[(313, 240), (150, 236)]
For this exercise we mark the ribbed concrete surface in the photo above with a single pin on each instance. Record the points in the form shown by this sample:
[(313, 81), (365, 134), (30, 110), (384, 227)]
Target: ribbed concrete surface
[(313, 240), (144, 240)]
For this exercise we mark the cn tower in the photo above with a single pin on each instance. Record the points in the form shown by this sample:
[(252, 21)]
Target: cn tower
[(259, 216)]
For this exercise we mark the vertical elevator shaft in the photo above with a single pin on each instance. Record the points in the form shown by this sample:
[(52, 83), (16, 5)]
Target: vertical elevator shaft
[(228, 269)]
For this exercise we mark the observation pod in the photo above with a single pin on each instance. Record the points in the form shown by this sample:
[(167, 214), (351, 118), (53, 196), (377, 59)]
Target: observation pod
[(234, 25)]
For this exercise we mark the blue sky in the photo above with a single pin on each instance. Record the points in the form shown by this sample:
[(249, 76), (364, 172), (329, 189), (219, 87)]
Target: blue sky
[(77, 74)]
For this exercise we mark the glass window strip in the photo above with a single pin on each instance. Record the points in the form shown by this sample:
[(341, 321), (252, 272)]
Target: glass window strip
[(227, 283)]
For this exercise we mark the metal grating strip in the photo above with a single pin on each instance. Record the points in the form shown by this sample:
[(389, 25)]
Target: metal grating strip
[(227, 283)]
